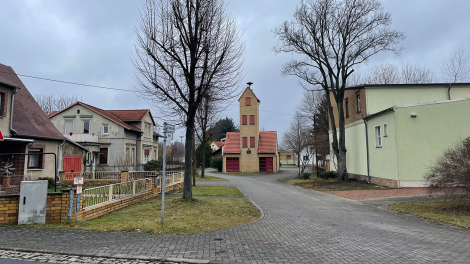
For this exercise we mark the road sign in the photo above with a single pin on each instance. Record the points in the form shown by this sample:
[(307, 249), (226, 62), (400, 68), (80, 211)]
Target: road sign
[(78, 181), (170, 128), (1, 135)]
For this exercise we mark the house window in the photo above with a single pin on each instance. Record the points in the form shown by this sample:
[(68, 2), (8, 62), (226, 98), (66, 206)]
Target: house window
[(245, 142), (305, 158), (252, 142), (68, 126), (2, 104), (378, 137), (146, 155), (347, 107), (244, 121), (86, 127), (127, 153), (103, 155), (288, 156), (132, 155), (78, 111), (105, 129), (88, 158), (252, 119), (35, 161), (385, 130), (358, 103), (247, 101), (155, 154)]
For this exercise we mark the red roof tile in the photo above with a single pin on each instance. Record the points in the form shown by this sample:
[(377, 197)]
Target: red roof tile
[(28, 118), (267, 142), (232, 142), (219, 144), (251, 92), (129, 115), (51, 114)]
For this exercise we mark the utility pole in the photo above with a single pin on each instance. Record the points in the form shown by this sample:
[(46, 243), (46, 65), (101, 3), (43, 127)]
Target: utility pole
[(168, 131)]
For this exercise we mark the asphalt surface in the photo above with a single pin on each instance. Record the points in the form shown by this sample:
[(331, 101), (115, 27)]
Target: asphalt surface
[(297, 226)]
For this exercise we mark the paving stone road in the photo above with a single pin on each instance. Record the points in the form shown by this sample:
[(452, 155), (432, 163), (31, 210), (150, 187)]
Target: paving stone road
[(297, 226)]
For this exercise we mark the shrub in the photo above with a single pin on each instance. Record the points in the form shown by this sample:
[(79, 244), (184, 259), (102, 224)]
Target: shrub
[(305, 176), (50, 181), (451, 169), (153, 165), (327, 175), (217, 163)]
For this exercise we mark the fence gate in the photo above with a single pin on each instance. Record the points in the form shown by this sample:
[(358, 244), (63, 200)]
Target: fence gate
[(73, 163)]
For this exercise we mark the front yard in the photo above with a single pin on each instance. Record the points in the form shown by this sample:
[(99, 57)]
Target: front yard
[(320, 184)]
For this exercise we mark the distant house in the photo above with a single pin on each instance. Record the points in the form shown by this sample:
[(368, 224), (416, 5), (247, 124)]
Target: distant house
[(395, 132), (250, 150), (288, 157), (217, 148), (114, 137), (28, 130)]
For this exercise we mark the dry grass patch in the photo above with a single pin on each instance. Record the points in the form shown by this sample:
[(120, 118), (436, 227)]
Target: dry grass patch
[(320, 184), (181, 217), (453, 211), (209, 178), (214, 190)]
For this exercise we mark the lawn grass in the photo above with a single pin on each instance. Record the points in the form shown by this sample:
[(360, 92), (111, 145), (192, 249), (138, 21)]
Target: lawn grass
[(209, 178), (319, 184), (454, 211), (214, 190), (239, 173), (181, 217)]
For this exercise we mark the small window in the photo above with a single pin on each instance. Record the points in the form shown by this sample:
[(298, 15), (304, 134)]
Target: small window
[(288, 156), (35, 160), (245, 142), (105, 129), (88, 158), (132, 155), (252, 119), (68, 126), (155, 155), (358, 103), (146, 155), (2, 104), (244, 121), (378, 137), (247, 101), (305, 158), (346, 107), (127, 153), (252, 142), (86, 127), (78, 111), (103, 156), (385, 130)]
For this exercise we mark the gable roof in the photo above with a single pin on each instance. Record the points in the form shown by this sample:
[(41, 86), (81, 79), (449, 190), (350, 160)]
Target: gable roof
[(130, 115), (104, 113), (28, 118), (232, 142), (248, 88), (219, 144), (267, 142)]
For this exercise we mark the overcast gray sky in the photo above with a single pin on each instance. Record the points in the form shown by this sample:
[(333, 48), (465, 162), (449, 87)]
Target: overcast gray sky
[(92, 42)]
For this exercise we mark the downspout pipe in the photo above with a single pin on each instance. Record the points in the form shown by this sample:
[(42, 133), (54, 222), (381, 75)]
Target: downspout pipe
[(367, 148), (11, 110), (448, 91), (59, 147)]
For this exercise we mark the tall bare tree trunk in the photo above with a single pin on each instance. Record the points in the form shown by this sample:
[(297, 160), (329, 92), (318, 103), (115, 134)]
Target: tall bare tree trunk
[(188, 156)]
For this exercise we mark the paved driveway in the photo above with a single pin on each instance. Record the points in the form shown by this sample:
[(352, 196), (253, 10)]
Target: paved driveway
[(297, 226)]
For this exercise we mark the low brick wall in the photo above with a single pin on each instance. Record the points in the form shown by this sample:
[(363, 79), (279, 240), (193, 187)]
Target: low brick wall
[(9, 206), (58, 204), (375, 180)]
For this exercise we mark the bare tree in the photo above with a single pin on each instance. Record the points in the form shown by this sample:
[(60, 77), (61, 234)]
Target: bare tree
[(49, 102), (186, 50), (456, 68), (124, 163), (332, 37), (297, 137), (205, 119), (412, 73), (388, 73)]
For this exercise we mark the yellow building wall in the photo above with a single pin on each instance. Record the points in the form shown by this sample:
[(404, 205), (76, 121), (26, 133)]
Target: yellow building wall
[(249, 162)]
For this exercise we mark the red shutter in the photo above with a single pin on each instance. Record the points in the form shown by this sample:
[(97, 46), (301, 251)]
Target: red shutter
[(252, 142), (245, 142), (244, 120), (252, 119), (247, 100)]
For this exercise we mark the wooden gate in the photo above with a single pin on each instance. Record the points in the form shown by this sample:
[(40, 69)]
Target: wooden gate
[(73, 163), (233, 165)]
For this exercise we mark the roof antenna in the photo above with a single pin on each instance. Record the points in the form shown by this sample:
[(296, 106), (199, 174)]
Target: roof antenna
[(249, 84)]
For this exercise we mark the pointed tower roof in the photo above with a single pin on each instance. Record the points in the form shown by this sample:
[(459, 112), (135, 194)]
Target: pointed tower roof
[(248, 88)]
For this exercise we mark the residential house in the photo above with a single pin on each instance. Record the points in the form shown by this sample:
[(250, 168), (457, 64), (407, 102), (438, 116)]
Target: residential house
[(250, 150), (27, 130), (395, 132), (288, 157), (217, 148), (117, 139)]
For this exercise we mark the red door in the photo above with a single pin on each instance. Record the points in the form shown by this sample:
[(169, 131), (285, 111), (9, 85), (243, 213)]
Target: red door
[(266, 164), (73, 163), (233, 165)]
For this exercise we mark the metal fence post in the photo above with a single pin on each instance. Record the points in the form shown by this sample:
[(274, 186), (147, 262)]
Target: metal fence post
[(110, 192)]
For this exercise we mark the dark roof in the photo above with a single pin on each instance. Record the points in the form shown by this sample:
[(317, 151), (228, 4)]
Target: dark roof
[(103, 113), (28, 118)]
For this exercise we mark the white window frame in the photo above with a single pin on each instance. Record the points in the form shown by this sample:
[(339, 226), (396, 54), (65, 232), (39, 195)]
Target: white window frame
[(89, 126), (385, 130), (88, 158), (378, 137), (132, 154), (107, 126), (68, 120)]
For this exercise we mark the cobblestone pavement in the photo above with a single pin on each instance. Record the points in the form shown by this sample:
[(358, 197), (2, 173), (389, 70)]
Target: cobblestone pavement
[(297, 226)]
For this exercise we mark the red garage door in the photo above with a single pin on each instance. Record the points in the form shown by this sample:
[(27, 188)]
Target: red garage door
[(266, 164), (233, 165), (73, 163)]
